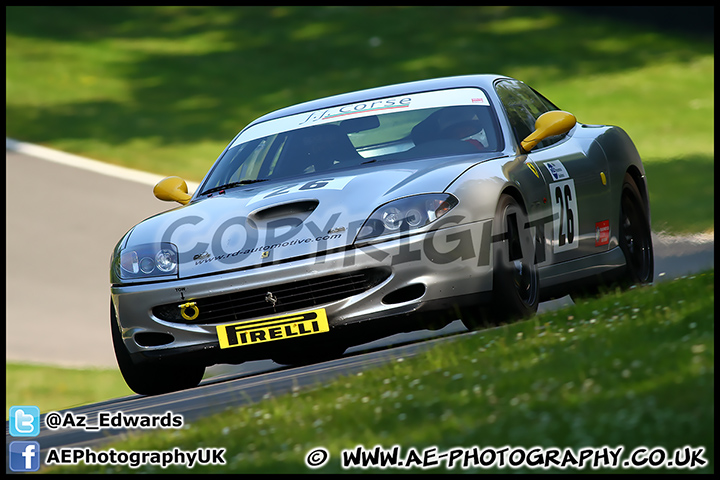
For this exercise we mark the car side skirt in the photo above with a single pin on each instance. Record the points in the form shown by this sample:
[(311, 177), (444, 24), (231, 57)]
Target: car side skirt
[(555, 280)]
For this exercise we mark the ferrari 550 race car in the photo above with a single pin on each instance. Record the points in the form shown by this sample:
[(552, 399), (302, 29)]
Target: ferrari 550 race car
[(344, 219)]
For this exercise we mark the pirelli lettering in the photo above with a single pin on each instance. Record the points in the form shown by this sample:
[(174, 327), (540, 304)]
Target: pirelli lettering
[(274, 328)]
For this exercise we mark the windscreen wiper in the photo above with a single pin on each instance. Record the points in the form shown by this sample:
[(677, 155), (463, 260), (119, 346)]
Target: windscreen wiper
[(234, 184)]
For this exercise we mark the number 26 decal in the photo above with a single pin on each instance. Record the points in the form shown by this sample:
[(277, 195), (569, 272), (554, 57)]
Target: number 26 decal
[(308, 187), (565, 214), (294, 187)]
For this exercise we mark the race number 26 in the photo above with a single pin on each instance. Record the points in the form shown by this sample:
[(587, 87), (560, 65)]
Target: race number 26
[(565, 214)]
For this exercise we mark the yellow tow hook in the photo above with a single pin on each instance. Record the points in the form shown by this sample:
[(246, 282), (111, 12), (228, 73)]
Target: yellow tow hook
[(194, 310)]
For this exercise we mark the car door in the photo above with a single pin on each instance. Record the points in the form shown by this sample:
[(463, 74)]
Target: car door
[(572, 186)]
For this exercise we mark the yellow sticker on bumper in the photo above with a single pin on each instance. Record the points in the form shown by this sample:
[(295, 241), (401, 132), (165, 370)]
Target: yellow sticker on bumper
[(273, 328)]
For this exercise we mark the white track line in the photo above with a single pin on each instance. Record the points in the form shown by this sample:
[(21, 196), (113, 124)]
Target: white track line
[(77, 161)]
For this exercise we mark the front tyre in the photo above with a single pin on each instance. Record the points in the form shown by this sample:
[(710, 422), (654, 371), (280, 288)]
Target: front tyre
[(516, 282), (151, 378)]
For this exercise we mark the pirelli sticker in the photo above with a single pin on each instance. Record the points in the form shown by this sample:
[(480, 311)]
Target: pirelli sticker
[(273, 328)]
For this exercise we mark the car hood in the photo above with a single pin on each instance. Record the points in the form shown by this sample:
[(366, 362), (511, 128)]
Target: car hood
[(267, 222)]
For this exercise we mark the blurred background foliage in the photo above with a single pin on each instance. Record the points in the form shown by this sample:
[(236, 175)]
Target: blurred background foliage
[(164, 89)]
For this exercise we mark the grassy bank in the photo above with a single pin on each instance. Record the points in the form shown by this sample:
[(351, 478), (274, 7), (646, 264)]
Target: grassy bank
[(163, 89), (628, 369), (55, 388)]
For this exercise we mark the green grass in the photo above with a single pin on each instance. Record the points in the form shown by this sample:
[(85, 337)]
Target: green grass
[(164, 89), (629, 369), (681, 194), (56, 388)]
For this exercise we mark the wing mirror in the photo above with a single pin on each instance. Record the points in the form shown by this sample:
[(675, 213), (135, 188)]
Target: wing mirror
[(547, 125), (172, 189)]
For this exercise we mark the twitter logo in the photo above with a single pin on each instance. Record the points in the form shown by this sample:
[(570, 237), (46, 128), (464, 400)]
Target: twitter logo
[(24, 421)]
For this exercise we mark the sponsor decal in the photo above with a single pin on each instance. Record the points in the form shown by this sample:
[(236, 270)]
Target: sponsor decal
[(461, 96), (273, 328), (602, 233), (380, 106), (387, 104), (557, 170)]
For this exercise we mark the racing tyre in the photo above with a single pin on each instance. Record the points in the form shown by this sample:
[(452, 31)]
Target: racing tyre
[(516, 282), (634, 237), (151, 378)]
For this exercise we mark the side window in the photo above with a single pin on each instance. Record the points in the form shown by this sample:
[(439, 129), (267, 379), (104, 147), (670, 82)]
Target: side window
[(523, 106)]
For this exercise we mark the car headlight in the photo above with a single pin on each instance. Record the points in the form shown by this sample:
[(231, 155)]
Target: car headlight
[(406, 214), (146, 261)]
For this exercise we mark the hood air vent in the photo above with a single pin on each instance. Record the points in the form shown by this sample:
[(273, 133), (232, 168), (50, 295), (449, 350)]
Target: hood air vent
[(292, 214)]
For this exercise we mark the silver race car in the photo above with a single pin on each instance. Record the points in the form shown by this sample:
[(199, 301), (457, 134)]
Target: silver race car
[(349, 218)]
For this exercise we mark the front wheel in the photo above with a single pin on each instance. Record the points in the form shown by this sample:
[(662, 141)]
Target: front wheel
[(516, 282), (151, 378)]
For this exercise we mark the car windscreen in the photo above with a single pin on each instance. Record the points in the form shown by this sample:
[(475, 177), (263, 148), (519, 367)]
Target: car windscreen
[(402, 128)]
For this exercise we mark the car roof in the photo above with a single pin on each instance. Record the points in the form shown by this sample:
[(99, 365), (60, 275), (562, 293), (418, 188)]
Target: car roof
[(483, 80)]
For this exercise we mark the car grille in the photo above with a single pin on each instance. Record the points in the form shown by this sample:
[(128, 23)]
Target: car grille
[(288, 296)]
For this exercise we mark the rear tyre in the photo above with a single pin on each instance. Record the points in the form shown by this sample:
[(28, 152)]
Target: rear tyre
[(151, 378), (635, 241), (635, 236), (516, 282)]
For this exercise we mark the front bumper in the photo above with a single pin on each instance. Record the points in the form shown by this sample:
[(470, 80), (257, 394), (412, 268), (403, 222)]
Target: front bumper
[(422, 273)]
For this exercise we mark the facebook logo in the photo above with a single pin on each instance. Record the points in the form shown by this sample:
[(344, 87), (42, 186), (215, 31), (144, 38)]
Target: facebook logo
[(24, 421), (24, 456)]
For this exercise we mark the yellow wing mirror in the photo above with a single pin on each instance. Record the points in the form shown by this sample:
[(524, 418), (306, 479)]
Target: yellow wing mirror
[(547, 125), (172, 189)]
